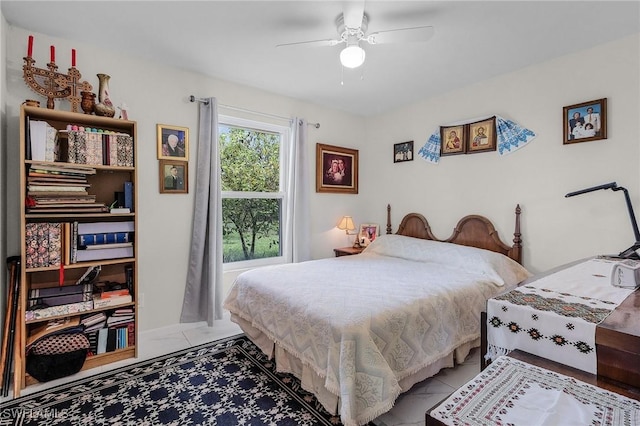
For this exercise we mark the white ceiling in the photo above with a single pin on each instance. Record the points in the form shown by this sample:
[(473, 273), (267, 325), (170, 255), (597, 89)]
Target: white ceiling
[(235, 41)]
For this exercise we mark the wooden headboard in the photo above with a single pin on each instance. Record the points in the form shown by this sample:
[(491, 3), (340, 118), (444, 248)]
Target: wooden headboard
[(473, 230)]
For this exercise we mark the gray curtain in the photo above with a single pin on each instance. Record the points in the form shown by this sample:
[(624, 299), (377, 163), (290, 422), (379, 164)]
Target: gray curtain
[(203, 292), (299, 187)]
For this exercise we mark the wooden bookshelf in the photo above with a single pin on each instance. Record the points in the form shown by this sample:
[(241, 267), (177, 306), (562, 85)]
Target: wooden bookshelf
[(106, 180)]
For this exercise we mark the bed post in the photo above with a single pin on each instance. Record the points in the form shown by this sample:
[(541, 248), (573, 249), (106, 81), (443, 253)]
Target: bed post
[(388, 218), (517, 241)]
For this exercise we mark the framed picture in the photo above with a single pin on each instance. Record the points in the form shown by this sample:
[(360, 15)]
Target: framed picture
[(403, 152), (336, 169), (585, 122), (173, 142), (174, 177), (453, 140), (368, 233), (481, 136)]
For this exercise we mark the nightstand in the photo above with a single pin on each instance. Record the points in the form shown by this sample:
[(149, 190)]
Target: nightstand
[(347, 251)]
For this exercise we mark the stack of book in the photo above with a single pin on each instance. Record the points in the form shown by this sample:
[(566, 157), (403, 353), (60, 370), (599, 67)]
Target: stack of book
[(94, 322), (60, 188)]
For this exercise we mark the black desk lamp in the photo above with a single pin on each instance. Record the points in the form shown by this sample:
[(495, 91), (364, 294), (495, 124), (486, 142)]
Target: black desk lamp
[(629, 253)]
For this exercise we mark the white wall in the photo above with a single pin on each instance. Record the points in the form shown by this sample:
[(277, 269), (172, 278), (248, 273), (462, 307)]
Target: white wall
[(555, 229), (158, 94)]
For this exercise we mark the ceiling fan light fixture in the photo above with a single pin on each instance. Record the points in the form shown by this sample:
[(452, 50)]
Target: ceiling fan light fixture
[(352, 56)]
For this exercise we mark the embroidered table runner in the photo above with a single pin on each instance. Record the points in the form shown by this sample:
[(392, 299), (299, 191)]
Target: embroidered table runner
[(513, 392), (555, 317)]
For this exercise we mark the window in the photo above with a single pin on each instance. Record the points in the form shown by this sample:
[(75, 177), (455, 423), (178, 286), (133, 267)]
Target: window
[(254, 172)]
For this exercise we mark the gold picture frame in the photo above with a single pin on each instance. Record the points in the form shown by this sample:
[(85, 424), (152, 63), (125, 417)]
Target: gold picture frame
[(174, 177), (481, 136), (336, 169), (453, 140), (173, 142)]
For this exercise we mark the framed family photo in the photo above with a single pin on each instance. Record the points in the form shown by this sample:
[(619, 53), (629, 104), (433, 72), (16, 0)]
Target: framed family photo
[(174, 177), (481, 136), (453, 140), (368, 233), (403, 152), (336, 169), (585, 122), (173, 142)]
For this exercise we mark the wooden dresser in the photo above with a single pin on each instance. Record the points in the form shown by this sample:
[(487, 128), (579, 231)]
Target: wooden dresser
[(617, 338), (618, 342)]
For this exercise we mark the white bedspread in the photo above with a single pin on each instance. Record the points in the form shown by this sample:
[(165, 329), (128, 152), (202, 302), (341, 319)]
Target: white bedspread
[(364, 322)]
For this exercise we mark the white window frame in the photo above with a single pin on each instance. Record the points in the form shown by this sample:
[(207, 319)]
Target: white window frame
[(285, 196)]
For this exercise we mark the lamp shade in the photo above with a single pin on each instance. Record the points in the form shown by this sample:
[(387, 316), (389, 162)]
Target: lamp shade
[(352, 56), (346, 224)]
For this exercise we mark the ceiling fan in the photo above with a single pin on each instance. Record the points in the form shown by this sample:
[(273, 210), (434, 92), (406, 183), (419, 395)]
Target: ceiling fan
[(352, 25)]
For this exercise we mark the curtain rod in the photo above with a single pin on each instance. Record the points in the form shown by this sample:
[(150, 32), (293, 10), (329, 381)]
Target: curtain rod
[(205, 101)]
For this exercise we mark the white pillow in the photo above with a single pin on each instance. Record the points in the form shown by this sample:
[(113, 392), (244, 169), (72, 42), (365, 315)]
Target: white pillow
[(497, 267)]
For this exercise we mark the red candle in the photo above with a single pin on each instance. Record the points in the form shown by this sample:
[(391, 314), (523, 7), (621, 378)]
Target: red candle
[(73, 57), (30, 48), (53, 54)]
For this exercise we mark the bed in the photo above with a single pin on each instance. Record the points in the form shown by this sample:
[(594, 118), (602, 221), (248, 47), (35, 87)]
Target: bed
[(359, 330)]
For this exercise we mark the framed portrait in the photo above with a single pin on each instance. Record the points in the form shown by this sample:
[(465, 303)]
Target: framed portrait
[(403, 152), (174, 177), (336, 169), (173, 142), (585, 122), (481, 136), (453, 140), (368, 233)]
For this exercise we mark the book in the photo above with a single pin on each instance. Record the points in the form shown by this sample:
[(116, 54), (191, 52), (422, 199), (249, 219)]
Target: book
[(105, 227), (119, 210), (60, 295), (54, 311), (111, 301), (110, 245), (103, 334), (104, 253), (131, 333), (52, 152), (91, 319), (114, 293), (117, 321), (104, 238), (38, 139), (125, 150), (111, 339), (92, 337), (128, 195)]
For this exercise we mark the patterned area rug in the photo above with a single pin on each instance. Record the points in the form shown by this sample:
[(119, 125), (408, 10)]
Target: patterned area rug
[(227, 382)]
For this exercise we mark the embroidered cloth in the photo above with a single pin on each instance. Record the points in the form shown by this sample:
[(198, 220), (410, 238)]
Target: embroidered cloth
[(556, 316), (513, 392), (510, 136)]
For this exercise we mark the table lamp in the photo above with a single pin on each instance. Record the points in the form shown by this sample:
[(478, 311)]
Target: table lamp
[(346, 224), (631, 252)]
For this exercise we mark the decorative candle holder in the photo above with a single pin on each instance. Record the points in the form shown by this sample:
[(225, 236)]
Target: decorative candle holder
[(51, 84)]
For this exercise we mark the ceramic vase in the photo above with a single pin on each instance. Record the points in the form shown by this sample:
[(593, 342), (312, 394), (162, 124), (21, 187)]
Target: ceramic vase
[(104, 107), (88, 102)]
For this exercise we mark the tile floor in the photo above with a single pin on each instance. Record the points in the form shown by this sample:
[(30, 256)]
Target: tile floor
[(409, 409)]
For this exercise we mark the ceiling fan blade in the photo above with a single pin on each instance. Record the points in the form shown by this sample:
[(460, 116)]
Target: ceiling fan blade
[(353, 11), (312, 43), (402, 35)]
